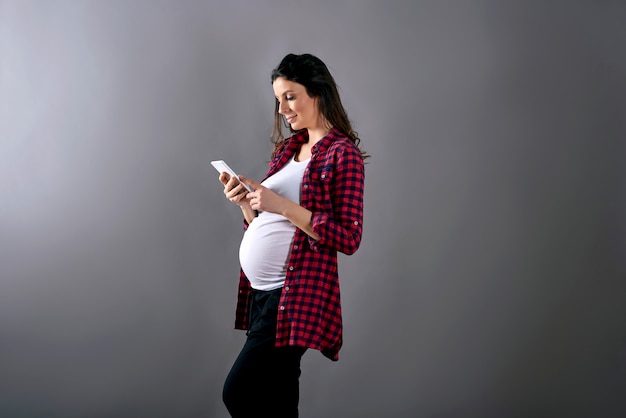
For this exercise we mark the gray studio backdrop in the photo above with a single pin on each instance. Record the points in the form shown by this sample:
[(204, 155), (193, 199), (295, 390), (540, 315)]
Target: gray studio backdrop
[(490, 280)]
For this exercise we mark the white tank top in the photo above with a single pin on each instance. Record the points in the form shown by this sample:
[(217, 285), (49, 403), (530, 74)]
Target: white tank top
[(265, 245)]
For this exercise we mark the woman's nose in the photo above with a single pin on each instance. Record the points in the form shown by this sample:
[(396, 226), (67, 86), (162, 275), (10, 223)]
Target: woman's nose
[(283, 108)]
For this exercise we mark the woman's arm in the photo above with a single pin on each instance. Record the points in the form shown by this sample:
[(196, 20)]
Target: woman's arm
[(339, 219), (340, 224), (300, 217), (265, 199)]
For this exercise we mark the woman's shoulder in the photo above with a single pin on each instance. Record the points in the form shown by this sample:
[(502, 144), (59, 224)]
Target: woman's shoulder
[(342, 144)]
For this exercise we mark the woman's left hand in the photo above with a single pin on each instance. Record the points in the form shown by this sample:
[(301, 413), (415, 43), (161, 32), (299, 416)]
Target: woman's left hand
[(263, 198)]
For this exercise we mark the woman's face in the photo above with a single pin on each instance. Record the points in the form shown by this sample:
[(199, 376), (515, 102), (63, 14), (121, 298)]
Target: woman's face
[(299, 109)]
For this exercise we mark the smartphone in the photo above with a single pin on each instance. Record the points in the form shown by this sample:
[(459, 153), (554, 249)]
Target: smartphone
[(222, 167)]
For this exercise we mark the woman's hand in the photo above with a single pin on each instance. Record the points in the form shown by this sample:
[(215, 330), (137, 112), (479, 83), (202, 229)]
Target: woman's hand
[(263, 198), (234, 191)]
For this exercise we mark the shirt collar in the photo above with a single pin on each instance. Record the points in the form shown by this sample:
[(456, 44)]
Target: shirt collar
[(302, 136)]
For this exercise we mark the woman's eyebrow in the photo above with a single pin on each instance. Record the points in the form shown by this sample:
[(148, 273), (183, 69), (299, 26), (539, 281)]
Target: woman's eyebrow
[(285, 92)]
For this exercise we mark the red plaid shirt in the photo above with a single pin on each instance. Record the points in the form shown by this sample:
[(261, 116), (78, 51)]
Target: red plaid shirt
[(309, 312)]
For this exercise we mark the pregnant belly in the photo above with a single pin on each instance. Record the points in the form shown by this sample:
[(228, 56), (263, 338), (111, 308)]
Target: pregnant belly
[(264, 250)]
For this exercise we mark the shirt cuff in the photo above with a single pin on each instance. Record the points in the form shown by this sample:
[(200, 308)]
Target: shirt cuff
[(318, 219)]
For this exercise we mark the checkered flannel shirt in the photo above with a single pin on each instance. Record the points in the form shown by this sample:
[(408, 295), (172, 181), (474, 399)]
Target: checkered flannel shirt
[(309, 311)]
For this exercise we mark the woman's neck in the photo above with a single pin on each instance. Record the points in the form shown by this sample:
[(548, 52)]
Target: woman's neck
[(318, 133)]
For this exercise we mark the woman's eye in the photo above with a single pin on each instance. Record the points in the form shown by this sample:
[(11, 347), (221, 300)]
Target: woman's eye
[(290, 97)]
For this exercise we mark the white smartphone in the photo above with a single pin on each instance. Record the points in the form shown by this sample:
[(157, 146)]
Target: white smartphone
[(222, 167)]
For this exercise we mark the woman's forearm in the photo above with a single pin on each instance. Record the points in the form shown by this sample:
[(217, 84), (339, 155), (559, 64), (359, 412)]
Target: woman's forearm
[(300, 217)]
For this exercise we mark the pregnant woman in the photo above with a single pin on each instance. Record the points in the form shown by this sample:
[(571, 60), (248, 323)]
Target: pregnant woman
[(308, 208)]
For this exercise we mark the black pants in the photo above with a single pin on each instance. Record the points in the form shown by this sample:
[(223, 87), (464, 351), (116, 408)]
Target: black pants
[(263, 381)]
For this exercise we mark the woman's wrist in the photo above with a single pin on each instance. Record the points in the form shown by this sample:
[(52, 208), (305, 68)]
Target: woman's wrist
[(248, 213)]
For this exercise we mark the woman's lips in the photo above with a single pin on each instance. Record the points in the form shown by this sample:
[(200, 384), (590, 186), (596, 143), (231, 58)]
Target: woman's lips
[(290, 119)]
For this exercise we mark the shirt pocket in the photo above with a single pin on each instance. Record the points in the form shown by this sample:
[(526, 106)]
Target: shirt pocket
[(325, 175)]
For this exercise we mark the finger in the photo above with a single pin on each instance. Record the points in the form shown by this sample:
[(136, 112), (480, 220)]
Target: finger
[(250, 182), (224, 177), (231, 184), (232, 181), (234, 191)]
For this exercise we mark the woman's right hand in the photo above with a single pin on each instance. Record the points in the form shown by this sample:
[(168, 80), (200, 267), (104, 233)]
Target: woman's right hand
[(234, 191)]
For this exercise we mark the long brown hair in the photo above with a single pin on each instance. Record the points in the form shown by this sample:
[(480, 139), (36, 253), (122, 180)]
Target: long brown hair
[(312, 73)]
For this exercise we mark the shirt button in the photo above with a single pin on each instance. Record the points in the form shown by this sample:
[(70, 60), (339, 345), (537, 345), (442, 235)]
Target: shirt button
[(282, 308), (306, 186), (356, 222), (287, 288), (290, 268), (295, 247), (323, 175)]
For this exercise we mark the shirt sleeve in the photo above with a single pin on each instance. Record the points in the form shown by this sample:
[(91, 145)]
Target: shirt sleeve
[(342, 227)]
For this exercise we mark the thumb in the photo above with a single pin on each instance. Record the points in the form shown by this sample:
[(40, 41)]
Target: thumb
[(252, 183)]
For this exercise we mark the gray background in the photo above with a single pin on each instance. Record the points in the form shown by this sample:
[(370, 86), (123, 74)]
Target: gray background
[(491, 277)]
